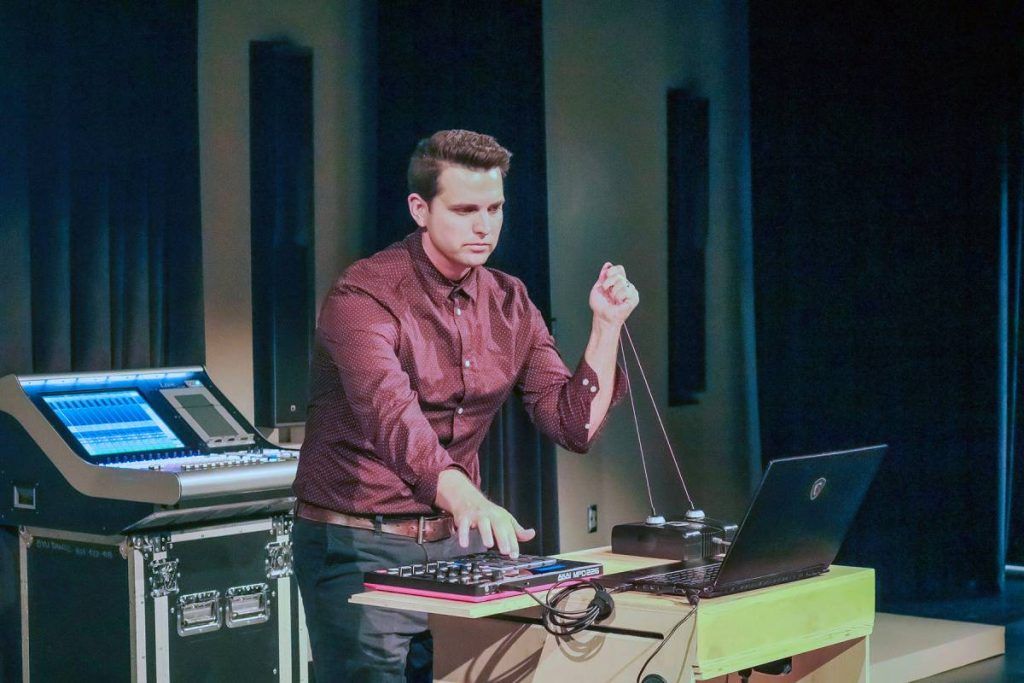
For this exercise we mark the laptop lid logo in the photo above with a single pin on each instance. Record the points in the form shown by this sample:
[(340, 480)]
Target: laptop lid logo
[(817, 487)]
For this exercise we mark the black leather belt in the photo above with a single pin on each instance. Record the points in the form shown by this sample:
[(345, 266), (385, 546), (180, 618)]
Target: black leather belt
[(422, 529)]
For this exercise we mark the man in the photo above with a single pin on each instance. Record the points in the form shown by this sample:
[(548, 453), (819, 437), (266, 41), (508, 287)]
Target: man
[(417, 347)]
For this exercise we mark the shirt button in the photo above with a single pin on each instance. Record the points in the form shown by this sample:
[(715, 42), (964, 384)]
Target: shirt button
[(458, 311), (593, 389), (459, 410), (586, 381), (586, 426), (466, 363)]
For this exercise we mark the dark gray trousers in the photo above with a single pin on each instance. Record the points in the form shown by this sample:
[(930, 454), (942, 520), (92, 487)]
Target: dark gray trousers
[(351, 642)]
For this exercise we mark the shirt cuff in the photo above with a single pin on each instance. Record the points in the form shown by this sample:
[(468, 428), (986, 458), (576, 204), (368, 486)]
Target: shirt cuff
[(583, 387), (424, 491)]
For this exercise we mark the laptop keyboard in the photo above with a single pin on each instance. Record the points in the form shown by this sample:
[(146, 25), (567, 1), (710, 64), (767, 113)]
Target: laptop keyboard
[(702, 581), (694, 576)]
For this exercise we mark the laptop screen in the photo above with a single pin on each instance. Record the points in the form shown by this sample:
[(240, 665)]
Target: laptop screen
[(800, 514)]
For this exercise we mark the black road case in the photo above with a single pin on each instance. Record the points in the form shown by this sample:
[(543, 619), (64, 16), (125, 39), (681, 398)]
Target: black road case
[(213, 603)]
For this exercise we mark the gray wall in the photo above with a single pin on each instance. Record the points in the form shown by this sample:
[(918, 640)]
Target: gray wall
[(606, 73)]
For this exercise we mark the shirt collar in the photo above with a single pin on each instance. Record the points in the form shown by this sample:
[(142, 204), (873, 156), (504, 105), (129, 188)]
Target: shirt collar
[(436, 283)]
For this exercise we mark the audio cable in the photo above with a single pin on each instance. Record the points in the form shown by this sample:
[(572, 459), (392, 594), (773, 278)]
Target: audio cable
[(668, 636), (654, 517)]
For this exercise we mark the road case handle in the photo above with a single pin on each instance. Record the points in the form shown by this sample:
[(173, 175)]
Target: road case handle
[(199, 613), (247, 605)]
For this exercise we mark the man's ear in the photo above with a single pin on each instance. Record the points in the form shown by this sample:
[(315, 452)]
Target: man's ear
[(418, 209)]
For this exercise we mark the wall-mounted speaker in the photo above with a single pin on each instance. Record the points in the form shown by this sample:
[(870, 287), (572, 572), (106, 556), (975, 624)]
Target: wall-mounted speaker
[(281, 186)]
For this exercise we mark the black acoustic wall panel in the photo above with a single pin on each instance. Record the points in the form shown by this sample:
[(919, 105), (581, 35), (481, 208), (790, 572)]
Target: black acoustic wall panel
[(283, 299), (687, 239)]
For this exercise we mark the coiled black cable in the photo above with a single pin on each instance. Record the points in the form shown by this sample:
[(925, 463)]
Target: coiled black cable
[(561, 622)]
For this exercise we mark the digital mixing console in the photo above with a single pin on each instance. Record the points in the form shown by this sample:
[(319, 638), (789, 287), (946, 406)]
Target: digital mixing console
[(128, 450)]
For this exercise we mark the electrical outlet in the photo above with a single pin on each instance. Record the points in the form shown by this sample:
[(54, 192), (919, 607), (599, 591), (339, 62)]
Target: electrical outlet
[(592, 518)]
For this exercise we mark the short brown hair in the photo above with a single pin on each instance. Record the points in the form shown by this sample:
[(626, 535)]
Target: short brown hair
[(459, 147)]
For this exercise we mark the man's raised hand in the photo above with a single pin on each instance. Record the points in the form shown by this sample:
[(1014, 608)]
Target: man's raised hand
[(613, 297)]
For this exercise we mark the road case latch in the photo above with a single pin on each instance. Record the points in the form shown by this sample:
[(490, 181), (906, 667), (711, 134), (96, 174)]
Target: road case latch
[(163, 578), (279, 559)]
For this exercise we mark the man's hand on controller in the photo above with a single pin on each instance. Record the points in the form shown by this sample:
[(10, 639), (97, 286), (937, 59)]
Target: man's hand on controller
[(471, 510)]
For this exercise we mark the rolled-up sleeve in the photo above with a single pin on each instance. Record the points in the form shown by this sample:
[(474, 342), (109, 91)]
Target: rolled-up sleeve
[(556, 400), (361, 336)]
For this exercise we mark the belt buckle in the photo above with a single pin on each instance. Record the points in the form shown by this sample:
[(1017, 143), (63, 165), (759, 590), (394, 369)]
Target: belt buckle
[(419, 530)]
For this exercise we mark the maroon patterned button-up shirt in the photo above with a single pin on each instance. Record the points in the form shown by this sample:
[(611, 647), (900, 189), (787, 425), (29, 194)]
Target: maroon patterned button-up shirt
[(410, 368)]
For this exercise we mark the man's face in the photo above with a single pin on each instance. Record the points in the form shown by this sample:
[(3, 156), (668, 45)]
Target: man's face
[(463, 220)]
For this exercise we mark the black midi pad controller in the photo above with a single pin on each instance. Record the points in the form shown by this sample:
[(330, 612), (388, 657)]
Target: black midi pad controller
[(479, 577)]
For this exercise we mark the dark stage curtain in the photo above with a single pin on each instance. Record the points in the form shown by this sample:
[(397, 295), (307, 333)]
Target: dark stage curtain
[(477, 66), (878, 156), (1013, 250), (99, 202), (99, 186)]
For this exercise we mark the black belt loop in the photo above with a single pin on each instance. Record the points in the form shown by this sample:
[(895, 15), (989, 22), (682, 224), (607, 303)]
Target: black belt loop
[(378, 520)]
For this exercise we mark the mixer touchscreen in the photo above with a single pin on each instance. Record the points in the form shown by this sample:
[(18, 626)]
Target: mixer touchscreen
[(112, 422)]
